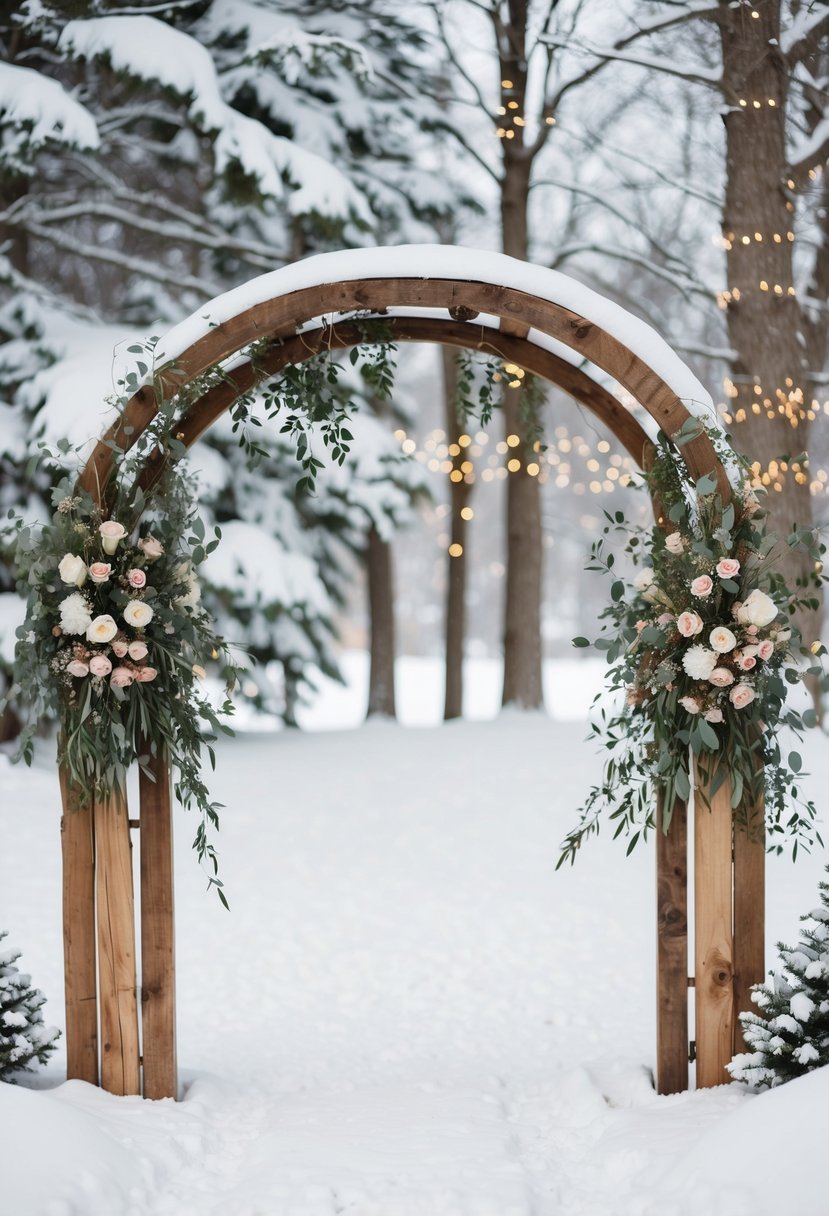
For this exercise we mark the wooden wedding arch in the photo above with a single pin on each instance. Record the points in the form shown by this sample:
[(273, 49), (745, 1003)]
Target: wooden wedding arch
[(554, 328)]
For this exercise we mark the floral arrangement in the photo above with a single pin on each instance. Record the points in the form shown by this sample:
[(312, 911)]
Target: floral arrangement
[(703, 645), (115, 643)]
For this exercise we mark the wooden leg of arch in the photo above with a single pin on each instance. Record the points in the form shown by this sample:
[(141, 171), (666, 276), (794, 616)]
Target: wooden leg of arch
[(714, 937), (158, 976), (120, 1067), (672, 952), (79, 955), (749, 911)]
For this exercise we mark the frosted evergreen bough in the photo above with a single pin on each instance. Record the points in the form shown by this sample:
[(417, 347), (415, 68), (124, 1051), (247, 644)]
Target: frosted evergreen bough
[(23, 1036), (791, 1035)]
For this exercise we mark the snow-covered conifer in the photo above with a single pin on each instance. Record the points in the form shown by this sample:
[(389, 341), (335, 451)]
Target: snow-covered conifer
[(23, 1036)]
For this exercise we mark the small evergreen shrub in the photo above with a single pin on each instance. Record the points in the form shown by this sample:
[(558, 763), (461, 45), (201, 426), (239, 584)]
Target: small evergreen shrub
[(791, 1037), (23, 1036)]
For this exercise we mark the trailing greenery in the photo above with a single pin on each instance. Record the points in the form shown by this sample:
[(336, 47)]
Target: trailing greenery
[(791, 1035), (23, 1036), (703, 649)]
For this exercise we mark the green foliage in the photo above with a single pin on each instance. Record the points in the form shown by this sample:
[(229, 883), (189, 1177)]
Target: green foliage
[(791, 1036), (23, 1036), (701, 650)]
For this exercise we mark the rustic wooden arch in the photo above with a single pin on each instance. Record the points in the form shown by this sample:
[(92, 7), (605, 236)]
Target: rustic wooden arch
[(288, 324)]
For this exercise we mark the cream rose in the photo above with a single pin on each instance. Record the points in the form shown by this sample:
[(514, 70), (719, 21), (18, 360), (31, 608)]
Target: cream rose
[(713, 715), (702, 587), (99, 572), (644, 579), (77, 668), (741, 695), (102, 629), (721, 677), (121, 677), (757, 610), (728, 567), (151, 547), (138, 614), (75, 616), (689, 624), (145, 675), (699, 662), (72, 570), (674, 543), (112, 533), (691, 704), (100, 665), (137, 651), (136, 578), (722, 640)]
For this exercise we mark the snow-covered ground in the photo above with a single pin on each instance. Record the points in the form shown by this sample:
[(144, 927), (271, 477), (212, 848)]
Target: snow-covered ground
[(407, 1012)]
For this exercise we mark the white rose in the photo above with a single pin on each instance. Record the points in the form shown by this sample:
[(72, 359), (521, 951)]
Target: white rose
[(674, 543), (75, 616), (138, 614), (643, 579), (699, 662), (722, 640), (111, 534), (102, 629), (757, 610), (72, 570)]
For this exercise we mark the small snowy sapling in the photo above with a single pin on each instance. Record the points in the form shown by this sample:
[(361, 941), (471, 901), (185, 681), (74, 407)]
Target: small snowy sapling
[(23, 1036), (793, 1036)]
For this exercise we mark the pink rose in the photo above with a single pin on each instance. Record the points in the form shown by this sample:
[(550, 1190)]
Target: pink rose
[(664, 619), (77, 668), (702, 586), (691, 704), (753, 630), (137, 651), (151, 547), (765, 650), (121, 677), (713, 715), (136, 578), (99, 572), (689, 624), (100, 665), (144, 675), (674, 543), (745, 662), (721, 677), (741, 695), (728, 567), (119, 648), (640, 625)]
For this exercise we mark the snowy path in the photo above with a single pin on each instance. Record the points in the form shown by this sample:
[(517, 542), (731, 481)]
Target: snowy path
[(406, 1012)]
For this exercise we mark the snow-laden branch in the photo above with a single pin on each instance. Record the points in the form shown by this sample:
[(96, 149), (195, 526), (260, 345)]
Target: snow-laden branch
[(805, 33), (689, 72), (812, 151), (703, 12), (688, 287), (43, 111)]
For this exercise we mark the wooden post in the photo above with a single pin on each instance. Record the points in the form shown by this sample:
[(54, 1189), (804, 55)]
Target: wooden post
[(749, 910), (120, 1073), (158, 969), (80, 982), (713, 920), (672, 952)]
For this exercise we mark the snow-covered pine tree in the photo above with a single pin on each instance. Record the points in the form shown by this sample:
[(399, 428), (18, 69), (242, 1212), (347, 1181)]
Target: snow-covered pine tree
[(791, 1036), (23, 1036)]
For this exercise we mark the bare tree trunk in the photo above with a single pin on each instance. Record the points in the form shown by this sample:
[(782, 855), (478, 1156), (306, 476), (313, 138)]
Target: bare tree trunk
[(765, 320), (381, 611), (522, 615), (456, 574)]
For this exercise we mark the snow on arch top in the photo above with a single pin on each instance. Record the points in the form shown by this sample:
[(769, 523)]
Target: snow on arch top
[(450, 262)]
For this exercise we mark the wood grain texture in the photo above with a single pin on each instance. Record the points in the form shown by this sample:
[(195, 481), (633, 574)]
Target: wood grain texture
[(714, 949), (158, 962), (672, 952), (749, 910), (120, 1072), (79, 952)]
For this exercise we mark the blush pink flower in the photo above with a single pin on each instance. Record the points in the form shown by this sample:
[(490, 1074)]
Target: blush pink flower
[(121, 677), (119, 648), (145, 675), (151, 547), (721, 677), (100, 665), (136, 578), (99, 572), (691, 704), (745, 662), (77, 668), (640, 625), (702, 587), (137, 651), (713, 715), (765, 650), (664, 618), (728, 567), (674, 543), (741, 695), (689, 624)]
